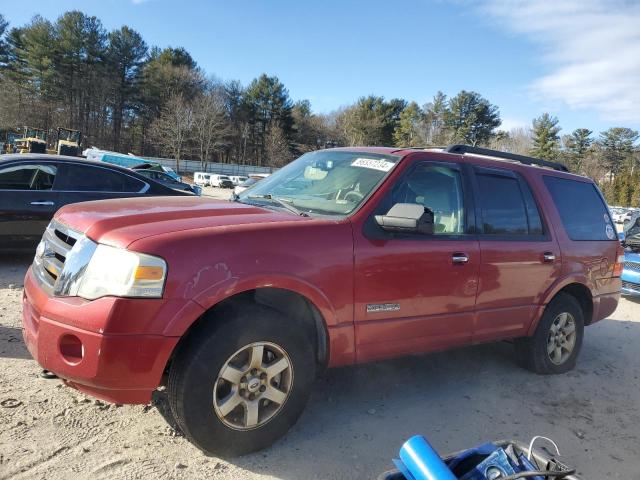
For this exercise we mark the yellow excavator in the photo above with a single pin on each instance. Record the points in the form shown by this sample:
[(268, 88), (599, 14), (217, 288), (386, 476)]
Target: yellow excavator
[(33, 140), (68, 142)]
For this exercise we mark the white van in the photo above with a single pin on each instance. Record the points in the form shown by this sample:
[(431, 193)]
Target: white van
[(237, 179), (221, 181), (201, 178)]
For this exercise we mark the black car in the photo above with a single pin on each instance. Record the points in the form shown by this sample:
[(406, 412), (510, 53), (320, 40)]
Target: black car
[(167, 180), (34, 186)]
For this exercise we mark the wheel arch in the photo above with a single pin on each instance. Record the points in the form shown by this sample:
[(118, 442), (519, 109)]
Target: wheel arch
[(578, 288), (293, 304)]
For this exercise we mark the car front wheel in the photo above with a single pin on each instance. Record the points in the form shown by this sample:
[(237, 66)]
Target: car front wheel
[(238, 384)]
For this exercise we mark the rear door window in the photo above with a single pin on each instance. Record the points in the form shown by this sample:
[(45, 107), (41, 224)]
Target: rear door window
[(85, 178), (503, 210), (582, 210), (27, 177)]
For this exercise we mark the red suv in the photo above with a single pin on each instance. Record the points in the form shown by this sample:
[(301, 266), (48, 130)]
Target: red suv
[(344, 256)]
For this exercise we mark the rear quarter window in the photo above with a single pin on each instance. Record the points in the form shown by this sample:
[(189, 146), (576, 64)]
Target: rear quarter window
[(582, 210)]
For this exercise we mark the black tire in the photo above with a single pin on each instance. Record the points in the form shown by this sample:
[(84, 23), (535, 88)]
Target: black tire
[(532, 352), (199, 360)]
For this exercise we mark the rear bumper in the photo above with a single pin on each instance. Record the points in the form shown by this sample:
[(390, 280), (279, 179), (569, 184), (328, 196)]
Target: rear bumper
[(122, 368)]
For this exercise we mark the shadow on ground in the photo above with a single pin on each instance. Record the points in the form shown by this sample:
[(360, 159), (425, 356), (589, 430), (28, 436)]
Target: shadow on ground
[(359, 416)]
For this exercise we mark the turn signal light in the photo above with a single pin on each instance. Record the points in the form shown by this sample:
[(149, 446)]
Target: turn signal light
[(149, 273)]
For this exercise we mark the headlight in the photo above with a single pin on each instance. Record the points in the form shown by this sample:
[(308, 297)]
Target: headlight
[(122, 273)]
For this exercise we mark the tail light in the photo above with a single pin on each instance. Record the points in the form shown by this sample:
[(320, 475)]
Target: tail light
[(619, 265)]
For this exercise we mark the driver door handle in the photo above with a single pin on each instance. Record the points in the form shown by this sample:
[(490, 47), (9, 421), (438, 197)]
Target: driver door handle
[(49, 204), (459, 258)]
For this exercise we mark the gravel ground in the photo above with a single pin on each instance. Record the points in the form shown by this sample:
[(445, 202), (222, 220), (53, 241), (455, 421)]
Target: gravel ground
[(355, 422)]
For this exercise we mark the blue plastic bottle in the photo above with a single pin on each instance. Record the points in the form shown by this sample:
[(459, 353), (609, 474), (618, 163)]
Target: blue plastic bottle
[(422, 461)]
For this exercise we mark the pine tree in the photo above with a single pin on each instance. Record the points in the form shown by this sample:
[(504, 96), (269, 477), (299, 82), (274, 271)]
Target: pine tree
[(406, 133), (546, 141), (471, 118)]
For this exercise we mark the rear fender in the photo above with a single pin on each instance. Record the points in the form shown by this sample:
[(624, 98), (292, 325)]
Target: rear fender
[(556, 287)]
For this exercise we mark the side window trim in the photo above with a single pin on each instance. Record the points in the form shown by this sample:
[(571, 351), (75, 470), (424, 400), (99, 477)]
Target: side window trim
[(373, 231), (522, 183)]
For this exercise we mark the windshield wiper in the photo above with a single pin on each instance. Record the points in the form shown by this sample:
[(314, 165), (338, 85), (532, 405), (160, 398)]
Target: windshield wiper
[(280, 202)]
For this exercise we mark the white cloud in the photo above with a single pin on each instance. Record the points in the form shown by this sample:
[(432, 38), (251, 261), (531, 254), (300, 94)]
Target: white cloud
[(509, 124), (592, 51)]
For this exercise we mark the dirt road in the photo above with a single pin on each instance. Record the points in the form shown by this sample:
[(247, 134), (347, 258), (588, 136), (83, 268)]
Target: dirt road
[(355, 422)]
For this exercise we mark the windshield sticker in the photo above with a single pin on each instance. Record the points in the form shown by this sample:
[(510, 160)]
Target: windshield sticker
[(373, 164), (610, 233)]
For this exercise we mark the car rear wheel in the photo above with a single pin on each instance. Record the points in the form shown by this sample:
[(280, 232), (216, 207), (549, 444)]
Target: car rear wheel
[(239, 383), (557, 341)]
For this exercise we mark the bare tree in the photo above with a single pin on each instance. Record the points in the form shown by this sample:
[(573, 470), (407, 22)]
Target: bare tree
[(173, 129), (277, 148), (211, 126)]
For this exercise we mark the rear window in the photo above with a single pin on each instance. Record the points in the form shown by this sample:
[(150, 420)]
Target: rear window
[(85, 178), (582, 210)]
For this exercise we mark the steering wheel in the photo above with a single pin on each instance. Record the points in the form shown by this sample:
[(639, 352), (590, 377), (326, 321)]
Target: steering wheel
[(358, 195)]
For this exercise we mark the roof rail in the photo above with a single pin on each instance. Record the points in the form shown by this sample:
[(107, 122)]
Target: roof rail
[(462, 149)]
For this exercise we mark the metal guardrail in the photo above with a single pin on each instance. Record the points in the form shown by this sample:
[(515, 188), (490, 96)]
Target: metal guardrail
[(190, 166)]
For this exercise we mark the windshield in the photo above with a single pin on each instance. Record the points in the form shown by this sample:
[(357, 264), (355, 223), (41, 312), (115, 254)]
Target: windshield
[(330, 182)]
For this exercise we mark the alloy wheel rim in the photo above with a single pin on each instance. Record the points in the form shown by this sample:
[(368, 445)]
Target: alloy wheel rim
[(253, 386), (562, 338)]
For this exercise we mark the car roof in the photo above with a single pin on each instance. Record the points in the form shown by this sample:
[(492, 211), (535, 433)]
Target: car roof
[(6, 158)]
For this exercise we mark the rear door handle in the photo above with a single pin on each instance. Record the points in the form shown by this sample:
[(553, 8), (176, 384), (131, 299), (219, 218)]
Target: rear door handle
[(460, 258), (548, 257), (42, 203)]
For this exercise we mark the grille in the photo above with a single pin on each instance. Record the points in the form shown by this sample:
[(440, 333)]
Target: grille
[(635, 266), (631, 286), (52, 253)]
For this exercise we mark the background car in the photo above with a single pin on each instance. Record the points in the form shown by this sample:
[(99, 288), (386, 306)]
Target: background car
[(237, 190), (220, 181), (34, 186), (168, 181)]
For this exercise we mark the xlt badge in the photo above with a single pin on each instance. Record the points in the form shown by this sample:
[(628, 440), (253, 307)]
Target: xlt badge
[(382, 307)]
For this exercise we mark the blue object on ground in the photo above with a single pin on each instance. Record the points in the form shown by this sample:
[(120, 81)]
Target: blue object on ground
[(419, 461)]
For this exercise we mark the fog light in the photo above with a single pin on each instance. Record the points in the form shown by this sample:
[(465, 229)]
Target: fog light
[(71, 349)]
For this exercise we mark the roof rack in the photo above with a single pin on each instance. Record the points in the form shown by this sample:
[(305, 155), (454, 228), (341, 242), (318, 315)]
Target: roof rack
[(462, 149)]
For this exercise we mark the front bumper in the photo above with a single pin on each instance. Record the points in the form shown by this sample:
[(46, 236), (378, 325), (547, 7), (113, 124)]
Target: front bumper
[(630, 289), (630, 281), (66, 336)]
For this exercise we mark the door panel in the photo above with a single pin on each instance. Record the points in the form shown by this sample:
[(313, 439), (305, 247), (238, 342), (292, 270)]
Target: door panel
[(513, 277), (410, 294), (434, 297)]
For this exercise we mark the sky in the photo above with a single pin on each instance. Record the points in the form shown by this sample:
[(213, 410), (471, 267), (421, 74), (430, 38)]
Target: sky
[(576, 59)]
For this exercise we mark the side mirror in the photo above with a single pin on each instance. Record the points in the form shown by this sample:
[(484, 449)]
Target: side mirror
[(407, 218)]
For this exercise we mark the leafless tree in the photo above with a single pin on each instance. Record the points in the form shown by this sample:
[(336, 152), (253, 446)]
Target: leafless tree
[(277, 148), (172, 131), (211, 127)]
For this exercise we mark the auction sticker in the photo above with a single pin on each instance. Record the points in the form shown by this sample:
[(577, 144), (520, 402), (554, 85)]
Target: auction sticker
[(373, 164), (609, 231)]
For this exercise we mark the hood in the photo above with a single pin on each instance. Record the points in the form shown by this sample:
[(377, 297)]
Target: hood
[(120, 222)]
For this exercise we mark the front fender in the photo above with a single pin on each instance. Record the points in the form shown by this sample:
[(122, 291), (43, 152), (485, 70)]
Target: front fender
[(226, 286)]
